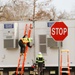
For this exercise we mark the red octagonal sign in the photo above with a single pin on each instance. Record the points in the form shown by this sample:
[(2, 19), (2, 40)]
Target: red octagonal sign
[(59, 31)]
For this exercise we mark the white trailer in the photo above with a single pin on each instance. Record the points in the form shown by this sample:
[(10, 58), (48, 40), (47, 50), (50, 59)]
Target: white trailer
[(12, 31)]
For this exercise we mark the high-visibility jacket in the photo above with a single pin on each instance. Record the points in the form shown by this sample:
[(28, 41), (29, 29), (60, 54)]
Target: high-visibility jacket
[(25, 40), (39, 59)]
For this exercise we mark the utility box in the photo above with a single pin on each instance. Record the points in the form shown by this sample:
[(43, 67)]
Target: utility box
[(52, 43), (10, 34)]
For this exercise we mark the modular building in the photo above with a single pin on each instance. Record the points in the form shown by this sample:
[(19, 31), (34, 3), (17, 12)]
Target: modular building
[(12, 31)]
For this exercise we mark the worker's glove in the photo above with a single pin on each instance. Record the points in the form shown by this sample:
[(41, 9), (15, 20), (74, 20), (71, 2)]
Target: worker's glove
[(30, 46)]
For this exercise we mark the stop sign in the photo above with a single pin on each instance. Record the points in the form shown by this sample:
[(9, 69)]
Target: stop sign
[(59, 31)]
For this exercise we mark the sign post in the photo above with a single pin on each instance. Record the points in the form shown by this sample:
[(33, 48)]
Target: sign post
[(59, 31)]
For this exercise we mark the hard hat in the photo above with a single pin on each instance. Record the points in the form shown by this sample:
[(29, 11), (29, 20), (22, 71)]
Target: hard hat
[(40, 53)]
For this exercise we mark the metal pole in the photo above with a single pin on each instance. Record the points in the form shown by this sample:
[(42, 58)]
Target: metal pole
[(34, 26), (34, 11), (59, 47)]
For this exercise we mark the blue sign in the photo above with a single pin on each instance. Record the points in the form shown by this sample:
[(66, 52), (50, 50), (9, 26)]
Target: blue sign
[(49, 24), (8, 26)]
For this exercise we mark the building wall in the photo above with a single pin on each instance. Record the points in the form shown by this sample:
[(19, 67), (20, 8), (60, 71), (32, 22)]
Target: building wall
[(9, 57)]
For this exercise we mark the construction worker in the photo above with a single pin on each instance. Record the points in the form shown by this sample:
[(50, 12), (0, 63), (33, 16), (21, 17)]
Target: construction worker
[(40, 62), (23, 42)]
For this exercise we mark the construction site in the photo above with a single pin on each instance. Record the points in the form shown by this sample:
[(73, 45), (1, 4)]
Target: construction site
[(10, 60)]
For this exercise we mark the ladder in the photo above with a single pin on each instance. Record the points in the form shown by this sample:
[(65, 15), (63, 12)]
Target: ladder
[(67, 68), (25, 53)]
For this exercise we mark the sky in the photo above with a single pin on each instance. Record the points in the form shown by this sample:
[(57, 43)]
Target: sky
[(60, 5)]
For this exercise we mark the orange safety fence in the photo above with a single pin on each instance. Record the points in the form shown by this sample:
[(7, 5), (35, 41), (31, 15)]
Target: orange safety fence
[(68, 62)]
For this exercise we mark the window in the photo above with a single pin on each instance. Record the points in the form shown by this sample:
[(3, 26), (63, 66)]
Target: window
[(42, 43)]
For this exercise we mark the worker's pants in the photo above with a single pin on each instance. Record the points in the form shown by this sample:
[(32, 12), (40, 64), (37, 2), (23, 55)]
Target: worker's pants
[(22, 47), (40, 68)]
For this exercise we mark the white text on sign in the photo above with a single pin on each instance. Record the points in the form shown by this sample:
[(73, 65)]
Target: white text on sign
[(59, 31)]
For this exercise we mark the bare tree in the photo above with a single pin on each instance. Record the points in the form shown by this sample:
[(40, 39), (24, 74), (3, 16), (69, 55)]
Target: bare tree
[(63, 15), (18, 10), (44, 14), (72, 13)]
